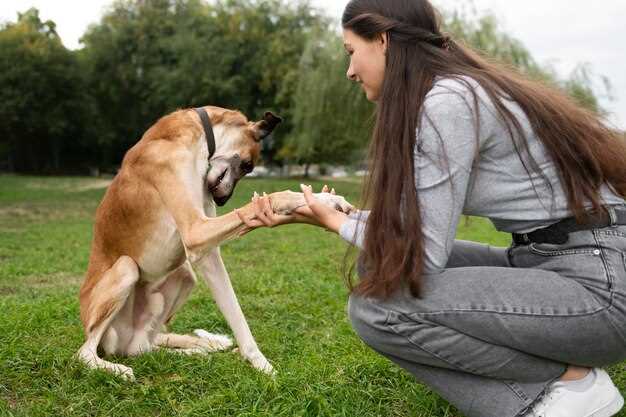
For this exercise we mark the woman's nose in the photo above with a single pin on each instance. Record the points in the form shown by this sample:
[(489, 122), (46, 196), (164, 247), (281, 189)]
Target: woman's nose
[(351, 74)]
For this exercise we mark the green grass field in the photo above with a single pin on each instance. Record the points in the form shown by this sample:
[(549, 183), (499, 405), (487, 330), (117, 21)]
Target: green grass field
[(288, 281)]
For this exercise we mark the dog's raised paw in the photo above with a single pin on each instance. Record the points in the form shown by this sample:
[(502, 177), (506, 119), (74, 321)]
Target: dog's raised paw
[(214, 341), (335, 201)]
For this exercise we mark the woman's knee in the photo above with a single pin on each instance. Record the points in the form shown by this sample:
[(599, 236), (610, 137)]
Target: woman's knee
[(368, 319)]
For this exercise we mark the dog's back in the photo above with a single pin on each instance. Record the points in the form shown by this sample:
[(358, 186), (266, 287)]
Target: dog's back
[(131, 205)]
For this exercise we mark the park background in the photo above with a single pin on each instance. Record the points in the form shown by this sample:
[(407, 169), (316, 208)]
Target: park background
[(68, 115)]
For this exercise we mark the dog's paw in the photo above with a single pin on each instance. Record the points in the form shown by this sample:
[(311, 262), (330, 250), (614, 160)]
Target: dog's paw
[(190, 351), (335, 201), (214, 342), (258, 361), (91, 360), (285, 202), (122, 371)]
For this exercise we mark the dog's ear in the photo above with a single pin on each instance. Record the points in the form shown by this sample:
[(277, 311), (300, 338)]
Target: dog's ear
[(266, 126)]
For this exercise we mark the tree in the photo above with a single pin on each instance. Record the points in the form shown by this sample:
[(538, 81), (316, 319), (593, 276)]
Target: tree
[(330, 113), (147, 58), (42, 102)]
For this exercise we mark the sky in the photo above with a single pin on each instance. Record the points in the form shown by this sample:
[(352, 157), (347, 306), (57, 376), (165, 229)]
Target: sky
[(562, 33)]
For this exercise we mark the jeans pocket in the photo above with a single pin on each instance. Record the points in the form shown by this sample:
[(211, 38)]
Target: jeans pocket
[(549, 249), (583, 262)]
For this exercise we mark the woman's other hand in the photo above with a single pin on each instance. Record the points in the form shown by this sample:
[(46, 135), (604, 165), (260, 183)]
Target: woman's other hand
[(319, 213)]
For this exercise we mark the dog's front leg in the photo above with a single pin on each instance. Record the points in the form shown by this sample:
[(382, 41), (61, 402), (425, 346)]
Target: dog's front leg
[(204, 233), (212, 268)]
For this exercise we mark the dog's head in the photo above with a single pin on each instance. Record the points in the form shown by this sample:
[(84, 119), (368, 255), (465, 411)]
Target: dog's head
[(238, 147)]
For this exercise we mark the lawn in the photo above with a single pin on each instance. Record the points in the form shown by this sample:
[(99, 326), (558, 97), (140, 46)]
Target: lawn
[(289, 285)]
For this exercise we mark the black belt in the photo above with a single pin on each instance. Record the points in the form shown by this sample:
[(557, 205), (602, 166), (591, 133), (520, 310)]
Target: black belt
[(557, 233)]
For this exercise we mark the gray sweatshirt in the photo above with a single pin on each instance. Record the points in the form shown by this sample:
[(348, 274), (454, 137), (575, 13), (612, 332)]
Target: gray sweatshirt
[(495, 185)]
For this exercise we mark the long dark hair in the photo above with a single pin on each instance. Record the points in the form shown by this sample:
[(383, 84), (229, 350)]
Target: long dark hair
[(586, 152)]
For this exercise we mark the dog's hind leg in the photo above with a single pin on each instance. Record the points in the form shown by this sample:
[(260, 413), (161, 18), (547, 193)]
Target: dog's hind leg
[(105, 301), (175, 291)]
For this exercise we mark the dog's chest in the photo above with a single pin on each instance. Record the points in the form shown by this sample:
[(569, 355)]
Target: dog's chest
[(163, 251)]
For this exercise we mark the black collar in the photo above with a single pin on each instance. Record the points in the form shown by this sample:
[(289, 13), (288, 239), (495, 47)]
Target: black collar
[(208, 130)]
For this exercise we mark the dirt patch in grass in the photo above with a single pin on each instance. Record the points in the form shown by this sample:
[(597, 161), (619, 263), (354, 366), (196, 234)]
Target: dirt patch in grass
[(7, 290), (50, 281), (14, 212), (40, 282), (10, 399), (17, 215), (68, 184), (92, 185)]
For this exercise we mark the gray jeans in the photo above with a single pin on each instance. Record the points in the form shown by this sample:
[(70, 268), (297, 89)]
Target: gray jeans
[(498, 325)]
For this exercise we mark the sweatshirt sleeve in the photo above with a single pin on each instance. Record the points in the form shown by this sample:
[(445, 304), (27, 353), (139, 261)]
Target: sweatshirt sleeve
[(444, 153), (352, 230), (359, 215)]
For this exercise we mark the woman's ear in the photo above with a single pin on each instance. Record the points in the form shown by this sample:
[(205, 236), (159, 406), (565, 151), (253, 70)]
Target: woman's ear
[(384, 41)]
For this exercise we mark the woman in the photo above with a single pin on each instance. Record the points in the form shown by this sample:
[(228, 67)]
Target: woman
[(518, 331)]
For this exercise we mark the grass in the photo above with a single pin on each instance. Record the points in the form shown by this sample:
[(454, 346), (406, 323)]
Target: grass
[(287, 281)]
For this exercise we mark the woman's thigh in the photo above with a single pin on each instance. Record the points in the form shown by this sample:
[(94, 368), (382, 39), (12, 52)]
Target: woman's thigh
[(467, 253), (564, 303)]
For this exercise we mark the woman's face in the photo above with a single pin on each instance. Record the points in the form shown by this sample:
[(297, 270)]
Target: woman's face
[(367, 62)]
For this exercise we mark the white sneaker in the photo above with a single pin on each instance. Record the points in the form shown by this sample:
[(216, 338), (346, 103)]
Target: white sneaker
[(602, 399)]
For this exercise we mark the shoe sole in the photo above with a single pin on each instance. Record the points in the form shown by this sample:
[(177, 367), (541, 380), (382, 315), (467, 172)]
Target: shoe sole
[(610, 409)]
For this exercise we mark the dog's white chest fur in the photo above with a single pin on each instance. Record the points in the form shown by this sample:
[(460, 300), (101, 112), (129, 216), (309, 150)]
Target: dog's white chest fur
[(163, 250)]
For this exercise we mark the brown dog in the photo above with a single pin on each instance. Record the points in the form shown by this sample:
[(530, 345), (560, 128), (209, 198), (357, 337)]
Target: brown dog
[(157, 218)]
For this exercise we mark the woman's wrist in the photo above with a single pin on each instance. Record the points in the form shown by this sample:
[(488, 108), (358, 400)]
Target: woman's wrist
[(335, 220)]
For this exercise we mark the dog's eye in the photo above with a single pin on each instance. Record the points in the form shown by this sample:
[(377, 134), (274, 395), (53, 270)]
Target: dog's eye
[(247, 166)]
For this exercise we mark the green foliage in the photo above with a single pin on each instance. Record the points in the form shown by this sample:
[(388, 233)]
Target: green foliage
[(155, 56), (67, 111), (484, 35), (330, 113), (580, 87), (42, 99)]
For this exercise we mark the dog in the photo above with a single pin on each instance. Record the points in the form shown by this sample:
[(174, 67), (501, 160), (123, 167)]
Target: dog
[(157, 223)]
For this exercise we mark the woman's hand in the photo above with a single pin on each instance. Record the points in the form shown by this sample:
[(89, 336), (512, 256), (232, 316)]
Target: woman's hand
[(318, 215), (264, 216)]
